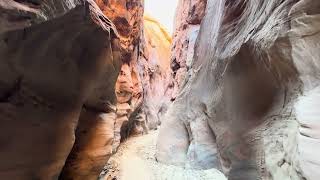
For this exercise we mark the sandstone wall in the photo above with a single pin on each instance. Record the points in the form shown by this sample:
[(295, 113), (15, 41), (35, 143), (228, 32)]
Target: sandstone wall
[(154, 61), (127, 16), (59, 68), (145, 56), (201, 146), (144, 68), (55, 58), (253, 84), (189, 15)]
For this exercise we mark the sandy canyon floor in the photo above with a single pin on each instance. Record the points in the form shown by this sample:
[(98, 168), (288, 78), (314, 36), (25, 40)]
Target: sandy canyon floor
[(135, 160)]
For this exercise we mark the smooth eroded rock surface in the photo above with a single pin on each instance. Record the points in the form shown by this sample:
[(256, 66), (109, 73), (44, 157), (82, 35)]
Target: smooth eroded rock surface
[(252, 61), (47, 74)]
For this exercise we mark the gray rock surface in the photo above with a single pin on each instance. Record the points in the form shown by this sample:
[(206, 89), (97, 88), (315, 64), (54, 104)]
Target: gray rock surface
[(252, 62)]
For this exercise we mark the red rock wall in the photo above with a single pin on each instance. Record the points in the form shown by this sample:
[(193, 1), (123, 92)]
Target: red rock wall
[(127, 15), (145, 73), (189, 15), (143, 87)]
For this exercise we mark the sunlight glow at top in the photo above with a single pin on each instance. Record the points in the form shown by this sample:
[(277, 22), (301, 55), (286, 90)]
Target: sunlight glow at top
[(163, 11)]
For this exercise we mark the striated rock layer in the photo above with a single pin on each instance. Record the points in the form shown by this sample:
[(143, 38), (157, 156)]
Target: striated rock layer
[(55, 58), (249, 105)]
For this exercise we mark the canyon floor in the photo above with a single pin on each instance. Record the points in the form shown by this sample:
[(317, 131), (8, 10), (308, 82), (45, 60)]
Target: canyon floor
[(135, 160)]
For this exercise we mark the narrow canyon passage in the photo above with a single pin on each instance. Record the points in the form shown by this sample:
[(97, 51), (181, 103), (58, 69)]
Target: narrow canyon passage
[(135, 158), (159, 89)]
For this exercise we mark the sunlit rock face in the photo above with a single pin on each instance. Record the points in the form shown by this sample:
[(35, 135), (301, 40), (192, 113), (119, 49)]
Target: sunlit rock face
[(55, 56), (154, 61), (127, 15), (143, 86), (249, 105)]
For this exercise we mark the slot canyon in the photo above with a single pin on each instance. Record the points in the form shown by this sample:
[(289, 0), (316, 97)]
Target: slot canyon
[(106, 90)]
